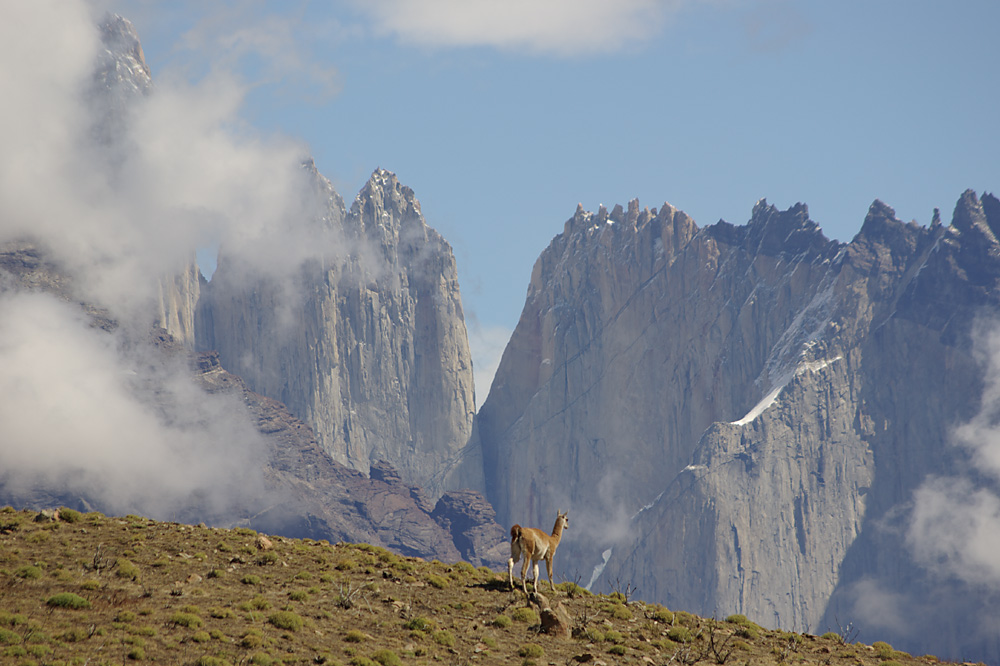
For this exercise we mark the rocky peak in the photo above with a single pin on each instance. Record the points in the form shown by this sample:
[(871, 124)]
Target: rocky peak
[(121, 69), (971, 220), (384, 198), (991, 208)]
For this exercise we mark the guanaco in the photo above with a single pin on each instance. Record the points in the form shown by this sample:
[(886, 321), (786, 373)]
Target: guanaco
[(535, 545)]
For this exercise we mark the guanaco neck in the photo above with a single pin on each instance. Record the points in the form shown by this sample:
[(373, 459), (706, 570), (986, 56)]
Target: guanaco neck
[(557, 529)]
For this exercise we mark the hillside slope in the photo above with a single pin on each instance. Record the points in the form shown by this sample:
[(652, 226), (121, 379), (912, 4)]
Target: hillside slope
[(90, 588)]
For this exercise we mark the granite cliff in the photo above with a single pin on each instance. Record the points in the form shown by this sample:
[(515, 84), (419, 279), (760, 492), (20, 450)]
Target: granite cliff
[(368, 345), (738, 417)]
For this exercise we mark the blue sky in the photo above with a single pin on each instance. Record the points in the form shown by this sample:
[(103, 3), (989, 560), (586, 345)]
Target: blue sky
[(503, 116)]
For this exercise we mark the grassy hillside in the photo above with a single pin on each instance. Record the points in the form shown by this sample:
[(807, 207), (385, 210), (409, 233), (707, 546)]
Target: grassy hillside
[(91, 589)]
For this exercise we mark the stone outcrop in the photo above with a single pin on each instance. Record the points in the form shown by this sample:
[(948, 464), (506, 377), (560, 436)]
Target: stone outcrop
[(471, 522), (315, 497), (367, 344), (738, 417)]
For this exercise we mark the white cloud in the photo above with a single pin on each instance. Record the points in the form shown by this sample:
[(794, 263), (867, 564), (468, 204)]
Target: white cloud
[(75, 419), (560, 27), (955, 524), (486, 344), (118, 211), (182, 171)]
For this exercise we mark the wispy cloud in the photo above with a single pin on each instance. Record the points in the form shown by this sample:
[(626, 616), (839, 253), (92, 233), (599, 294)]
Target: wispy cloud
[(486, 344), (118, 205), (77, 419), (955, 524), (557, 27)]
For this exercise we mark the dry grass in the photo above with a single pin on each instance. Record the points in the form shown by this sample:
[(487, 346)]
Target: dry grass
[(175, 594)]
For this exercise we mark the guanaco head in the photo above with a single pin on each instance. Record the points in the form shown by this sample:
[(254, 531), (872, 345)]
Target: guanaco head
[(562, 519)]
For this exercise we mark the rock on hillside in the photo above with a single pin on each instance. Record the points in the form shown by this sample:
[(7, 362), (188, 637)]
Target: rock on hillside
[(368, 346), (738, 417)]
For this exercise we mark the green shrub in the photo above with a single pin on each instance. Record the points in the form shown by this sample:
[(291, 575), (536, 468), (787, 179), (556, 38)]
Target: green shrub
[(685, 618), (387, 658), (748, 631), (679, 634), (883, 650), (126, 569), (612, 636), (420, 624), (74, 635), (362, 661), (67, 600), (573, 590), (208, 660), (270, 557), (286, 620), (437, 581), (90, 584), (663, 615), (445, 638), (502, 621), (737, 619), (15, 651), (40, 651), (28, 572), (201, 637), (252, 640), (125, 616), (250, 579), (262, 659), (619, 650), (354, 636), (182, 619), (8, 637), (530, 651), (621, 613), (259, 602), (298, 595), (69, 515), (136, 653), (221, 613), (832, 636), (345, 565), (592, 635), (525, 614)]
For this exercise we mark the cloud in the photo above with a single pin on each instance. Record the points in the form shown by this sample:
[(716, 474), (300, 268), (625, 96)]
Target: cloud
[(878, 609), (119, 182), (77, 418), (486, 344), (174, 170), (954, 528), (557, 27)]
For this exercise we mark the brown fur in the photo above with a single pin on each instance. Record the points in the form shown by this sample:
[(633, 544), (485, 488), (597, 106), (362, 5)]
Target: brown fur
[(534, 545)]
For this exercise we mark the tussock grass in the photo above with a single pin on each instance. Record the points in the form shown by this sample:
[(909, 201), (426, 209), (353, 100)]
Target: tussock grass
[(133, 590)]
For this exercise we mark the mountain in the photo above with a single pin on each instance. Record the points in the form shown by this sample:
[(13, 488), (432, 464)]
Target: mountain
[(281, 481), (368, 346), (108, 406), (744, 418)]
